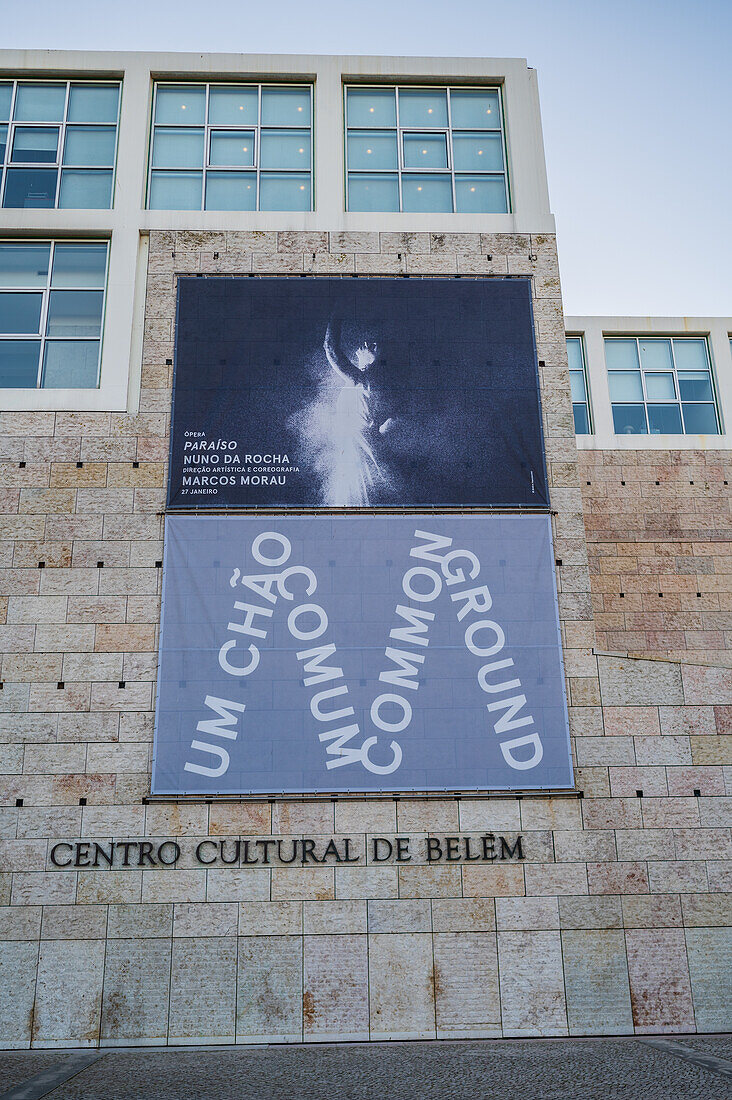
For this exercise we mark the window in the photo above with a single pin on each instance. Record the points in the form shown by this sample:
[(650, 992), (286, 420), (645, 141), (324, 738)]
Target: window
[(661, 386), (231, 147), (51, 311), (425, 149), (578, 380), (58, 142)]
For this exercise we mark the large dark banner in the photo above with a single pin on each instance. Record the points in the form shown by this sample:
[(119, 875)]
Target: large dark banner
[(339, 653), (347, 393)]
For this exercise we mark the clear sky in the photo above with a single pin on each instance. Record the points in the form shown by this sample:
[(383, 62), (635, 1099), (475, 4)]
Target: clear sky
[(636, 102)]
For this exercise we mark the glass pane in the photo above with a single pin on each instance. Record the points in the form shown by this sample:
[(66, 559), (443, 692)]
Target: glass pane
[(577, 382), (480, 195), (621, 355), (625, 386), (72, 363), (6, 98), (93, 103), (377, 149), (83, 189), (691, 354), (695, 385), (664, 419), (79, 265), (19, 363), (233, 106), (377, 193), (3, 143), (629, 420), (285, 149), (425, 150), (285, 106), (74, 313), (660, 386), (284, 191), (427, 193), (176, 190), (231, 191), (177, 148), (700, 420), (30, 188), (574, 353), (35, 145), (90, 145), (232, 147), (581, 420), (24, 264), (473, 110), (371, 107), (419, 107), (181, 104), (20, 313), (656, 354), (478, 152), (40, 102)]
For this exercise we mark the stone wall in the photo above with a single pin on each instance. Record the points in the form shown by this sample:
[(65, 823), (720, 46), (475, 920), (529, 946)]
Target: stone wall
[(659, 540), (612, 921)]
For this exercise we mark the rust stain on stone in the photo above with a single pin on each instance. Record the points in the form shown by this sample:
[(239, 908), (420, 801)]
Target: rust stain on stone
[(308, 1010)]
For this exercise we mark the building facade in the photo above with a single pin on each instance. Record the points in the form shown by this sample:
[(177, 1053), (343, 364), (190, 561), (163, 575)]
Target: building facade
[(600, 908)]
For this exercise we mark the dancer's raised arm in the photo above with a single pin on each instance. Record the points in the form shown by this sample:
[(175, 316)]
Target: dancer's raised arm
[(335, 354)]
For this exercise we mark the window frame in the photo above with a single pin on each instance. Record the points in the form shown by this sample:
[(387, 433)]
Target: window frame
[(209, 128), (449, 131), (58, 165), (677, 401), (41, 336), (579, 336)]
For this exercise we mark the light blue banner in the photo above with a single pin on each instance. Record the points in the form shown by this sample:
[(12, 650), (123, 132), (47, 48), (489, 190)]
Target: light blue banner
[(359, 653)]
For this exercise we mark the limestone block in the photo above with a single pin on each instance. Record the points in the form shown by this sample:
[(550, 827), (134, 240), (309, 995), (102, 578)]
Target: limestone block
[(629, 682), (482, 815), (176, 819), (269, 991), (661, 813), (15, 698), (365, 817), (590, 912), (706, 910), (270, 918), (399, 916), (712, 750), (303, 817), (651, 911), (306, 883), (335, 917), (704, 684), (677, 876), (555, 878), (612, 813), (617, 878), (687, 720), (54, 759), (74, 922), (551, 813), (136, 991), (242, 818), (667, 749), (335, 988), (532, 983), (69, 993), (710, 959), (112, 821), (604, 750), (43, 888), (401, 986), (526, 913), (405, 242), (576, 845), (463, 915), (639, 844), (596, 982), (20, 922), (660, 989), (715, 812), (197, 919), (467, 1001), (427, 816), (493, 882), (719, 873), (18, 963), (686, 780), (150, 921), (203, 990), (108, 886), (11, 759), (430, 882), (366, 882)]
